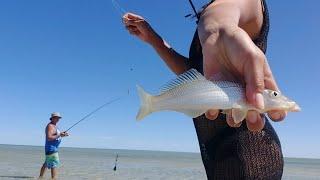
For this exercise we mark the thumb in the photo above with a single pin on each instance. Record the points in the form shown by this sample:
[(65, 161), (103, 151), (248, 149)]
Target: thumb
[(133, 16), (254, 79)]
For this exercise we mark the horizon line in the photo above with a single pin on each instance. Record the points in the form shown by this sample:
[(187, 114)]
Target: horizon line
[(104, 148), (167, 151)]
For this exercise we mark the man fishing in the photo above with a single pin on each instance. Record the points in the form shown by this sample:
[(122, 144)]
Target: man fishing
[(229, 44), (53, 140)]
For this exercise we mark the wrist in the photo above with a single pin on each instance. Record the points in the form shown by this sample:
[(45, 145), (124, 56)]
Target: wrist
[(156, 41)]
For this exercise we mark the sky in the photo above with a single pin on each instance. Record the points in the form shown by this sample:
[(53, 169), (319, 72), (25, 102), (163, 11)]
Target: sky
[(72, 56)]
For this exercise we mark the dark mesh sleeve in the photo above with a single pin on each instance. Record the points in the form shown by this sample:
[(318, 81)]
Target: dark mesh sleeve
[(237, 153)]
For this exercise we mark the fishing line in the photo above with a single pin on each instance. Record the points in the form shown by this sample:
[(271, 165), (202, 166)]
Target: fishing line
[(121, 11), (194, 10), (94, 111)]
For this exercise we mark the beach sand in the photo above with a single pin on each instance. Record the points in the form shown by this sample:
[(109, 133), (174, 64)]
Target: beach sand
[(24, 162)]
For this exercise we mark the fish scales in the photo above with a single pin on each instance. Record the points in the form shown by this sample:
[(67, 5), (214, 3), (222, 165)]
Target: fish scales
[(192, 94)]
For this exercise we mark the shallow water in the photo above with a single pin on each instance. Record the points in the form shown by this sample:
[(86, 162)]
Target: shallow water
[(24, 162)]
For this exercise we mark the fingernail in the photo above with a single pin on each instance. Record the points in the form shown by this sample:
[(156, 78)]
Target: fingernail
[(259, 101), (252, 117), (212, 113), (276, 115)]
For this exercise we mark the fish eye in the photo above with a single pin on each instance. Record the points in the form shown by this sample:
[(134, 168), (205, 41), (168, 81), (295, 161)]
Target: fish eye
[(274, 94)]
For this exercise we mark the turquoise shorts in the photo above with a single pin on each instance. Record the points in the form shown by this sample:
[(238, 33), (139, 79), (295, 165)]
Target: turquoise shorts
[(52, 160)]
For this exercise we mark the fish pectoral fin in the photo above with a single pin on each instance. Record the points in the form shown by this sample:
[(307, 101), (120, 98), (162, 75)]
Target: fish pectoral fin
[(193, 113), (239, 115), (224, 111)]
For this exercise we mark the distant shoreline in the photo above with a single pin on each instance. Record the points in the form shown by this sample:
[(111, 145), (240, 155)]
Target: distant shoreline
[(138, 150)]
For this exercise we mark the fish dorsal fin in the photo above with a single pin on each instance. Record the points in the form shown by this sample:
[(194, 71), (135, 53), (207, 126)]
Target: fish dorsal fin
[(186, 77)]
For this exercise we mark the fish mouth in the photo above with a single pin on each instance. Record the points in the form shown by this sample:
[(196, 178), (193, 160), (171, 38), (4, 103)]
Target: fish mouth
[(294, 107)]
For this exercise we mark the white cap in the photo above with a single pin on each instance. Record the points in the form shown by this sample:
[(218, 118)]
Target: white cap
[(55, 114)]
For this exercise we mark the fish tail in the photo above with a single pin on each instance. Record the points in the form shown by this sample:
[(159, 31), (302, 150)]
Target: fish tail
[(145, 100)]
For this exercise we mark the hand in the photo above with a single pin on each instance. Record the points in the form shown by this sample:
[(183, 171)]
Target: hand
[(233, 56), (138, 26), (64, 134)]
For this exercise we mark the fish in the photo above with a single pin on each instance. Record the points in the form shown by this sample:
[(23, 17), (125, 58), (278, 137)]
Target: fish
[(192, 94)]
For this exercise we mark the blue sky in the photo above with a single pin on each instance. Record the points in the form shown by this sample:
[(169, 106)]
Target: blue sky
[(72, 56)]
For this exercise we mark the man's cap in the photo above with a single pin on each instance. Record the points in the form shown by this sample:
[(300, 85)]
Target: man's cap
[(55, 114)]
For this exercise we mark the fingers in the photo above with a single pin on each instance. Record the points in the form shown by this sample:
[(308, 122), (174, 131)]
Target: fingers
[(136, 25), (277, 115), (270, 83), (254, 79), (131, 22), (132, 19), (254, 121), (133, 30), (212, 114), (136, 33), (132, 16), (133, 26), (254, 76), (231, 122), (64, 134)]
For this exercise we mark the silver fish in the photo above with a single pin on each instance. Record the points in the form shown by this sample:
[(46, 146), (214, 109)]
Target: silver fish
[(192, 94)]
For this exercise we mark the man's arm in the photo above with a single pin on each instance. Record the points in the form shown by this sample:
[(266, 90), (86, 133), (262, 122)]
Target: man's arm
[(51, 133)]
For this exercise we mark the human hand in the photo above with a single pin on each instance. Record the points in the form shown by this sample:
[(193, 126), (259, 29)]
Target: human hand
[(138, 26), (233, 56), (64, 134)]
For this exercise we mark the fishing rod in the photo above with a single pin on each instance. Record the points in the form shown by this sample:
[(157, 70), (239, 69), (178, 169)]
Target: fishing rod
[(94, 111)]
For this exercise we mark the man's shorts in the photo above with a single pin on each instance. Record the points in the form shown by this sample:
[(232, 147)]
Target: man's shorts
[(52, 160)]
